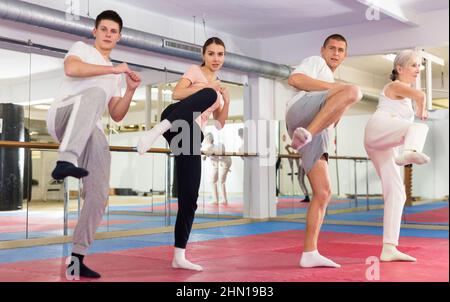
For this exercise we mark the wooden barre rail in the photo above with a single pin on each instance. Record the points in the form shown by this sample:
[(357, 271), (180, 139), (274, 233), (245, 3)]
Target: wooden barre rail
[(331, 157), (49, 146)]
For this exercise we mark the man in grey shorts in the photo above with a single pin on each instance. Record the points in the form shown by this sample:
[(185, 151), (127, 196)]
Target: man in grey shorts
[(318, 105)]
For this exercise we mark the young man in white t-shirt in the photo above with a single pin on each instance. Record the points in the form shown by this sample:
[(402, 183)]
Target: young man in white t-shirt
[(318, 105), (91, 84)]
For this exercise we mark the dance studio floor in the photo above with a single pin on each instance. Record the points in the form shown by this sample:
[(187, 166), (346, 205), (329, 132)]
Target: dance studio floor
[(48, 222), (246, 251), (264, 251)]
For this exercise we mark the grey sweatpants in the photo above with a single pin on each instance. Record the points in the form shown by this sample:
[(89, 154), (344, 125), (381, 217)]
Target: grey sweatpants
[(72, 122), (301, 114)]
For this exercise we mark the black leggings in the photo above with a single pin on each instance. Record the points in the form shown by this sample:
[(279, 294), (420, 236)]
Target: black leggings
[(188, 167)]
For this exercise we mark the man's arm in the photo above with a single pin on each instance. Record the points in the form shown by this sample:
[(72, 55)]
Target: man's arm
[(306, 83), (76, 68), (118, 106), (400, 90)]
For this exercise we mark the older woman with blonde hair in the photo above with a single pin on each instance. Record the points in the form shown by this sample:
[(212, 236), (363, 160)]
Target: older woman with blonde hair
[(390, 129)]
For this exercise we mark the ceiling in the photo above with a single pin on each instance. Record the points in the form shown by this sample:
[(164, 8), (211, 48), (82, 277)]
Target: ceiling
[(378, 65), (258, 19)]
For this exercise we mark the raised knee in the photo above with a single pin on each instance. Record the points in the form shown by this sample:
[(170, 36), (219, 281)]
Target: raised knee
[(423, 127), (354, 94), (210, 95)]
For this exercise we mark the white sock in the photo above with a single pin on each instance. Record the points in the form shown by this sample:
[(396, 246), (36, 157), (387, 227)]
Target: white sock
[(314, 259), (180, 261), (390, 253), (411, 157), (148, 139), (300, 138)]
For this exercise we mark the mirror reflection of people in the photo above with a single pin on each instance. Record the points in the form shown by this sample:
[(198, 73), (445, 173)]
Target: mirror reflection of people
[(289, 150), (301, 181), (221, 166), (241, 137), (301, 171)]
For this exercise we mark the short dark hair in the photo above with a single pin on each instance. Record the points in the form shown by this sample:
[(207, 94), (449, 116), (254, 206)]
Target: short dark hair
[(334, 37), (109, 15)]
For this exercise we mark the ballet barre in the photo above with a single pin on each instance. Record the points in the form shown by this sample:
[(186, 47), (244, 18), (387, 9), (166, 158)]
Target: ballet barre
[(52, 146), (355, 159)]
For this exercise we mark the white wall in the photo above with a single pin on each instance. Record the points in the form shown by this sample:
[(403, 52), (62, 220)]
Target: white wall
[(432, 179)]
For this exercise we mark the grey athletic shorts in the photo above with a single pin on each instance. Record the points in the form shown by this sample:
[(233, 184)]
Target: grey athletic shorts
[(301, 114)]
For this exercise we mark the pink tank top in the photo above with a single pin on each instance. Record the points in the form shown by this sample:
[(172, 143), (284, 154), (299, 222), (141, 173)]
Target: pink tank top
[(196, 76)]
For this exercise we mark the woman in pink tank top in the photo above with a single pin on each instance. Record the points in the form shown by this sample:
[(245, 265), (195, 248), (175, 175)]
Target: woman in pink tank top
[(200, 94)]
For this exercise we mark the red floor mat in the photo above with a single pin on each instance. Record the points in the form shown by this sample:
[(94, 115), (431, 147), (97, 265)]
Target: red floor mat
[(435, 216), (268, 257)]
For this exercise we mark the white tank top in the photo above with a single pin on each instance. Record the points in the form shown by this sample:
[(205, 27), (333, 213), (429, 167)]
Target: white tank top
[(402, 108)]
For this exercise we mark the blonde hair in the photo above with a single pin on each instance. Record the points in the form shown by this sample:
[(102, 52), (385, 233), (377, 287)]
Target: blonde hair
[(402, 59)]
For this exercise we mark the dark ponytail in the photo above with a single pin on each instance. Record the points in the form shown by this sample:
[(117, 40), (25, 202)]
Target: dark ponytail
[(212, 40), (394, 75)]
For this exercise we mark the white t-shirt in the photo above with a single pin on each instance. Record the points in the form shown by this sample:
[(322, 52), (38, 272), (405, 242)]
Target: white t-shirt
[(402, 108), (314, 67), (110, 83)]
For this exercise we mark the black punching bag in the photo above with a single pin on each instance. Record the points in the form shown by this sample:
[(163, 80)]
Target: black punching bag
[(12, 160)]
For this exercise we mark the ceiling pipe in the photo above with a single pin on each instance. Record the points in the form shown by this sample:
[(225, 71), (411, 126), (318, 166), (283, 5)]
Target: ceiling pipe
[(45, 17)]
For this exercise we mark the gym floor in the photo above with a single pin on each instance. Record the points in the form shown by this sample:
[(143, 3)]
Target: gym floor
[(243, 250)]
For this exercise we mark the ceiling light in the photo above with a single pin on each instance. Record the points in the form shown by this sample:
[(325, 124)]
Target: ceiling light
[(390, 57), (42, 107)]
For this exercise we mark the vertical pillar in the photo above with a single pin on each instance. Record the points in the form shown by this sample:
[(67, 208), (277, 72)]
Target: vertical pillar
[(259, 136)]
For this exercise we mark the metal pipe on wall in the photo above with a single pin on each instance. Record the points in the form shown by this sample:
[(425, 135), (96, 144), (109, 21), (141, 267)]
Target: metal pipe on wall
[(45, 17)]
